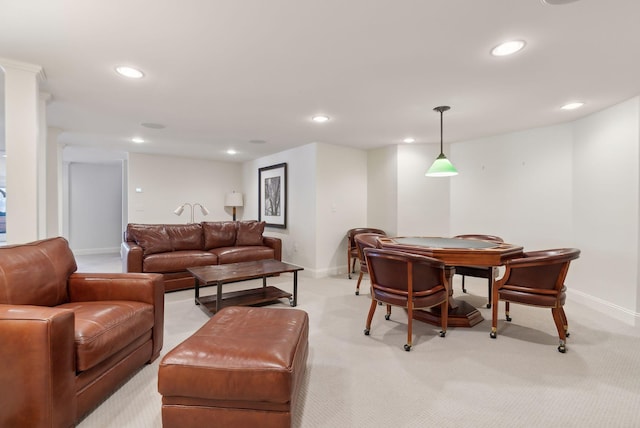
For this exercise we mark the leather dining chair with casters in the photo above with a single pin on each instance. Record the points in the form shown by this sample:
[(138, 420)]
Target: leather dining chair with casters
[(479, 271), (407, 280), (364, 240), (536, 279), (352, 250)]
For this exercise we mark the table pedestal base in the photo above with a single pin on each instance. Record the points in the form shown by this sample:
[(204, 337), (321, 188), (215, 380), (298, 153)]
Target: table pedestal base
[(462, 315)]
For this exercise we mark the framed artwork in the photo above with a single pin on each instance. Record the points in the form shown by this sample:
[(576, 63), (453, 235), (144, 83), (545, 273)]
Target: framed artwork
[(272, 195)]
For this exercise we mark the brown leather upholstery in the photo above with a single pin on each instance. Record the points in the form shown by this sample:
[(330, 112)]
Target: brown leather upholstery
[(243, 368), (69, 339), (364, 240), (536, 279), (352, 251), (170, 249), (407, 280), (479, 271)]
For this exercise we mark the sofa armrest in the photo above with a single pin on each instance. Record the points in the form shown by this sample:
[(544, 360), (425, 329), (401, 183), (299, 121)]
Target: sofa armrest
[(276, 244), (139, 287), (37, 374), (132, 256)]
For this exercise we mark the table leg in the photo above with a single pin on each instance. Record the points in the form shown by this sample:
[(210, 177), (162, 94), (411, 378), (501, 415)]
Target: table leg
[(218, 296), (294, 302), (264, 281), (197, 288)]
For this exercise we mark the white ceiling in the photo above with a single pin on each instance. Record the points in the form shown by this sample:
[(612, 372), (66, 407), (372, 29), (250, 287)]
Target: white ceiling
[(220, 73)]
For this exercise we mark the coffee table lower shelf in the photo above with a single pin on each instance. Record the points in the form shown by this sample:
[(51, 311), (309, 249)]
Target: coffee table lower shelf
[(250, 297)]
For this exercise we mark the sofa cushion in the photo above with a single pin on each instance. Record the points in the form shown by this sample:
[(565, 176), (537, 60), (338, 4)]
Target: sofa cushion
[(219, 234), (250, 232), (185, 236), (177, 261), (102, 328), (243, 254), (36, 273), (153, 238)]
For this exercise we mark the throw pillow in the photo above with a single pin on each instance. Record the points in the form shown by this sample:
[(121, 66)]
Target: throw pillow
[(185, 236), (219, 234), (250, 232), (153, 238)]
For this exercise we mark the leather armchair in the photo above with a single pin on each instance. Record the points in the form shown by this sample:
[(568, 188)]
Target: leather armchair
[(352, 250), (407, 280), (69, 339), (536, 279), (364, 240)]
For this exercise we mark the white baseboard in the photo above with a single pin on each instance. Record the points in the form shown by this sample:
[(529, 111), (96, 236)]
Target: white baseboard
[(625, 315), (91, 251)]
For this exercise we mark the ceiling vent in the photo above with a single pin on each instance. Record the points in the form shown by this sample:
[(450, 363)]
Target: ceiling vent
[(557, 2)]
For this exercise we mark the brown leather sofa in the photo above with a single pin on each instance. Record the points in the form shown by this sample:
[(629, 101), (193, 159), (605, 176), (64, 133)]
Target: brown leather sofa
[(170, 249), (69, 339)]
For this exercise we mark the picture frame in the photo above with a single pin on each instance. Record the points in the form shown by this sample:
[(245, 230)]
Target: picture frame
[(272, 195)]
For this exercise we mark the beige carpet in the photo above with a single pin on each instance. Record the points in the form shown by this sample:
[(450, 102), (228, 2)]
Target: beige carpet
[(463, 380)]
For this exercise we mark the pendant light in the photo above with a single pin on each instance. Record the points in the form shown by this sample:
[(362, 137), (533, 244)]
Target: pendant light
[(441, 167)]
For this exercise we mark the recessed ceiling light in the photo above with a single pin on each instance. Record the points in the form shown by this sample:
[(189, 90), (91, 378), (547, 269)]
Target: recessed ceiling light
[(320, 118), (137, 140), (508, 48), (231, 152), (130, 72), (409, 140), (572, 106)]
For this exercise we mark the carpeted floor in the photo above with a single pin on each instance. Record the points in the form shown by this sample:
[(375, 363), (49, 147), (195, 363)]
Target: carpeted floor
[(463, 380)]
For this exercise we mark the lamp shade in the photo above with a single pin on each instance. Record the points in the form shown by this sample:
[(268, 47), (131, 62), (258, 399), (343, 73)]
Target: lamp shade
[(442, 167), (233, 200)]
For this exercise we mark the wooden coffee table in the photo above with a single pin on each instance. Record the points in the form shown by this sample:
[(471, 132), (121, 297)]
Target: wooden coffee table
[(233, 272)]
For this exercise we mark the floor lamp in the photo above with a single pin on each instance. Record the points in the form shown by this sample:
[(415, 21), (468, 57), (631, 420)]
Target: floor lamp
[(178, 211)]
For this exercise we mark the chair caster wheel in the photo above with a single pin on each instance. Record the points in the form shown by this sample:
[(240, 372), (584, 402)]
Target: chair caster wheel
[(508, 318), (407, 348), (387, 316), (366, 332), (493, 335), (562, 349), (464, 291), (379, 303), (443, 333), (566, 333), (488, 305), (357, 293)]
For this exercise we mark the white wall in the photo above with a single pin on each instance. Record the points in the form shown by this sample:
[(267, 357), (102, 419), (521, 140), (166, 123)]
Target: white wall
[(168, 181), (299, 237), (382, 189), (341, 204), (605, 203), (95, 207), (516, 186), (423, 202)]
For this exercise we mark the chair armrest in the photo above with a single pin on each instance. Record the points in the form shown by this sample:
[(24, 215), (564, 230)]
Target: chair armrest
[(38, 366), (276, 244), (138, 287), (132, 256)]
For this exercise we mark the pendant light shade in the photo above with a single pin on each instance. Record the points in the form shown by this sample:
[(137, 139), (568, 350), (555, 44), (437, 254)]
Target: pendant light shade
[(441, 167)]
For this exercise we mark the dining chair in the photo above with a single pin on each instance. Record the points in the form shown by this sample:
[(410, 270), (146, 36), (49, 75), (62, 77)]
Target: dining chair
[(536, 279), (352, 250), (364, 240), (479, 271), (407, 280)]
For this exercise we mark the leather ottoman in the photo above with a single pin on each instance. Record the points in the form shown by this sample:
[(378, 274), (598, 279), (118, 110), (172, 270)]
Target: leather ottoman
[(243, 368)]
